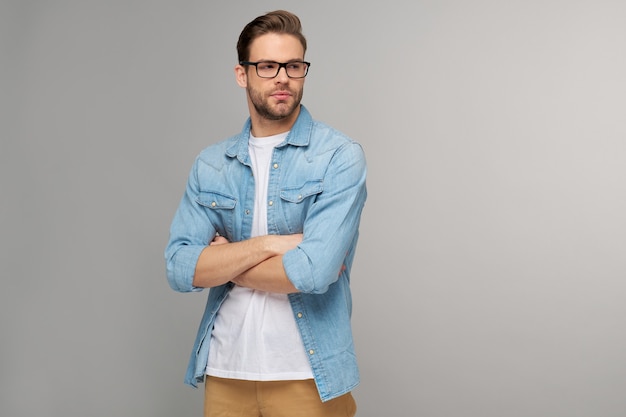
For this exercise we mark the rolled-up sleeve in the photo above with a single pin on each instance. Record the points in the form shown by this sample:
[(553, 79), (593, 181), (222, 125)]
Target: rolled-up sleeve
[(190, 233), (331, 225)]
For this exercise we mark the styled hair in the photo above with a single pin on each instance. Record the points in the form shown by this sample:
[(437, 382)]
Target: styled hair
[(278, 21)]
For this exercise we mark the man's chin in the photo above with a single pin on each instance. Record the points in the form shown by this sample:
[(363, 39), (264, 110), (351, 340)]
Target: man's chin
[(280, 111)]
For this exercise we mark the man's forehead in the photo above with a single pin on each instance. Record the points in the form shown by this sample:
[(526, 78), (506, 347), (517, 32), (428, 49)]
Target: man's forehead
[(276, 47)]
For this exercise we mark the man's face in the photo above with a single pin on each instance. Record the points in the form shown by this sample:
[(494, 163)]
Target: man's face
[(274, 98)]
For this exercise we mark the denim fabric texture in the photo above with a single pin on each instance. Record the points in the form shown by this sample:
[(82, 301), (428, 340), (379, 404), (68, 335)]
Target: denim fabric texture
[(316, 187)]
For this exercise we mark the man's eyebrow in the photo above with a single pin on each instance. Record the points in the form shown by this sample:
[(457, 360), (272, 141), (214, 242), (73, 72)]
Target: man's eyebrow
[(273, 60)]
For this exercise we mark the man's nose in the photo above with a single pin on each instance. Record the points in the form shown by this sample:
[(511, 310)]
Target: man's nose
[(282, 74)]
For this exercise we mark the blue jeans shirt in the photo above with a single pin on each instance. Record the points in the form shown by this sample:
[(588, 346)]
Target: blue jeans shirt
[(316, 187)]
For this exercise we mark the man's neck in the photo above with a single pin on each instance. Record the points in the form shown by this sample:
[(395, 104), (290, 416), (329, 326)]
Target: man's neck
[(262, 127)]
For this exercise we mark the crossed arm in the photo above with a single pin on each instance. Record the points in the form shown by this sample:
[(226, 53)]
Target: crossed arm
[(254, 263)]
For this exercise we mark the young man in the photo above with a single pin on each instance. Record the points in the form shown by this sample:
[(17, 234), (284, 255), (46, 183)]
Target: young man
[(269, 221)]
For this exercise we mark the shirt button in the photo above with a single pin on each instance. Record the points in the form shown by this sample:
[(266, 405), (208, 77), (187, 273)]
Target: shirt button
[(275, 165), (271, 203), (213, 204), (311, 352), (299, 196), (247, 211), (299, 315)]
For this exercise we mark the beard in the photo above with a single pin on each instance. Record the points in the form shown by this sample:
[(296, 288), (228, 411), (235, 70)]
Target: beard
[(278, 112)]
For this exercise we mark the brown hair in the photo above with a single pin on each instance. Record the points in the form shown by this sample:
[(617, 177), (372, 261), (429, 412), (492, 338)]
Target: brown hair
[(279, 21)]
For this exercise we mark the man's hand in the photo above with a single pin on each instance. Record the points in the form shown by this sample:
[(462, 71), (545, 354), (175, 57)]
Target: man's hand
[(218, 240)]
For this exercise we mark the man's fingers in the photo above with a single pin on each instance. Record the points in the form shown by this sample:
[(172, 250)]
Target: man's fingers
[(218, 240)]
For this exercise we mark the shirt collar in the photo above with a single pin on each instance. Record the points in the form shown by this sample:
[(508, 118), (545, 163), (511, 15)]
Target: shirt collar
[(299, 135)]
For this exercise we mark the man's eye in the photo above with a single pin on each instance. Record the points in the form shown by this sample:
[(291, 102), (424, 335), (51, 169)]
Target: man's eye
[(268, 65)]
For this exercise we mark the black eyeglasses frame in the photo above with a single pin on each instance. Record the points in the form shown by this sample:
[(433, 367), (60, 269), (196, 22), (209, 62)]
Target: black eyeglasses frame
[(280, 65)]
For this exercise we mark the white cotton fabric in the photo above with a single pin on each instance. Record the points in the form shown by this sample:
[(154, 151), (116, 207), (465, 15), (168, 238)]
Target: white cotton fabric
[(255, 336)]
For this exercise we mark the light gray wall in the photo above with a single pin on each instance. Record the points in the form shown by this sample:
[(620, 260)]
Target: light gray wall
[(490, 278)]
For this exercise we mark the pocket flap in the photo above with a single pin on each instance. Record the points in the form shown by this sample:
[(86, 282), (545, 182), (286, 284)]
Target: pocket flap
[(214, 200), (297, 194)]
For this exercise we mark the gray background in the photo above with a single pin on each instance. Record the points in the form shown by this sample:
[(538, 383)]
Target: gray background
[(490, 277)]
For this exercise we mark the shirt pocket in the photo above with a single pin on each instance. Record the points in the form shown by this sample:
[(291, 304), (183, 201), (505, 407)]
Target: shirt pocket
[(296, 202), (220, 208)]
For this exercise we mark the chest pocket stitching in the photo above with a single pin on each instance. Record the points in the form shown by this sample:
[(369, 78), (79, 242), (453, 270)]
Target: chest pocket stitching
[(213, 200), (298, 194)]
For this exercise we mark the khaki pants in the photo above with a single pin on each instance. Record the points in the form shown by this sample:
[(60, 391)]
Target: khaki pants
[(239, 398)]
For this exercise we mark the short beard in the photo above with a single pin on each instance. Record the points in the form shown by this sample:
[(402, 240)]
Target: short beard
[(264, 110)]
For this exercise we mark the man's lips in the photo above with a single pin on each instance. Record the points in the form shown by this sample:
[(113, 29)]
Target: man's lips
[(281, 95)]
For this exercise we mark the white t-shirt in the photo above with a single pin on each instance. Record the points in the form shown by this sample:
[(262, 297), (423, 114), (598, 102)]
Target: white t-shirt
[(255, 336)]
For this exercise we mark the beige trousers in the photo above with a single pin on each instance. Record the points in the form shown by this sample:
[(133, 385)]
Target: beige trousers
[(239, 398)]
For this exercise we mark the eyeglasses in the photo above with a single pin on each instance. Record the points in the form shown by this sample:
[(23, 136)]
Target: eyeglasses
[(270, 69)]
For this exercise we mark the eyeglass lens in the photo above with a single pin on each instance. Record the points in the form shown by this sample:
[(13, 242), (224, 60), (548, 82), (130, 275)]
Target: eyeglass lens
[(270, 69)]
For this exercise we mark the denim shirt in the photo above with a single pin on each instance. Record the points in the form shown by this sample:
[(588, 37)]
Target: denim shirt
[(317, 188)]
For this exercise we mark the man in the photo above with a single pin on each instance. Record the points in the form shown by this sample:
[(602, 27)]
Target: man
[(269, 221)]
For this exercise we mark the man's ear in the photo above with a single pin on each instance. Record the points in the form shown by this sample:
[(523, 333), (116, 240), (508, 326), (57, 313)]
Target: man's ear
[(241, 76)]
